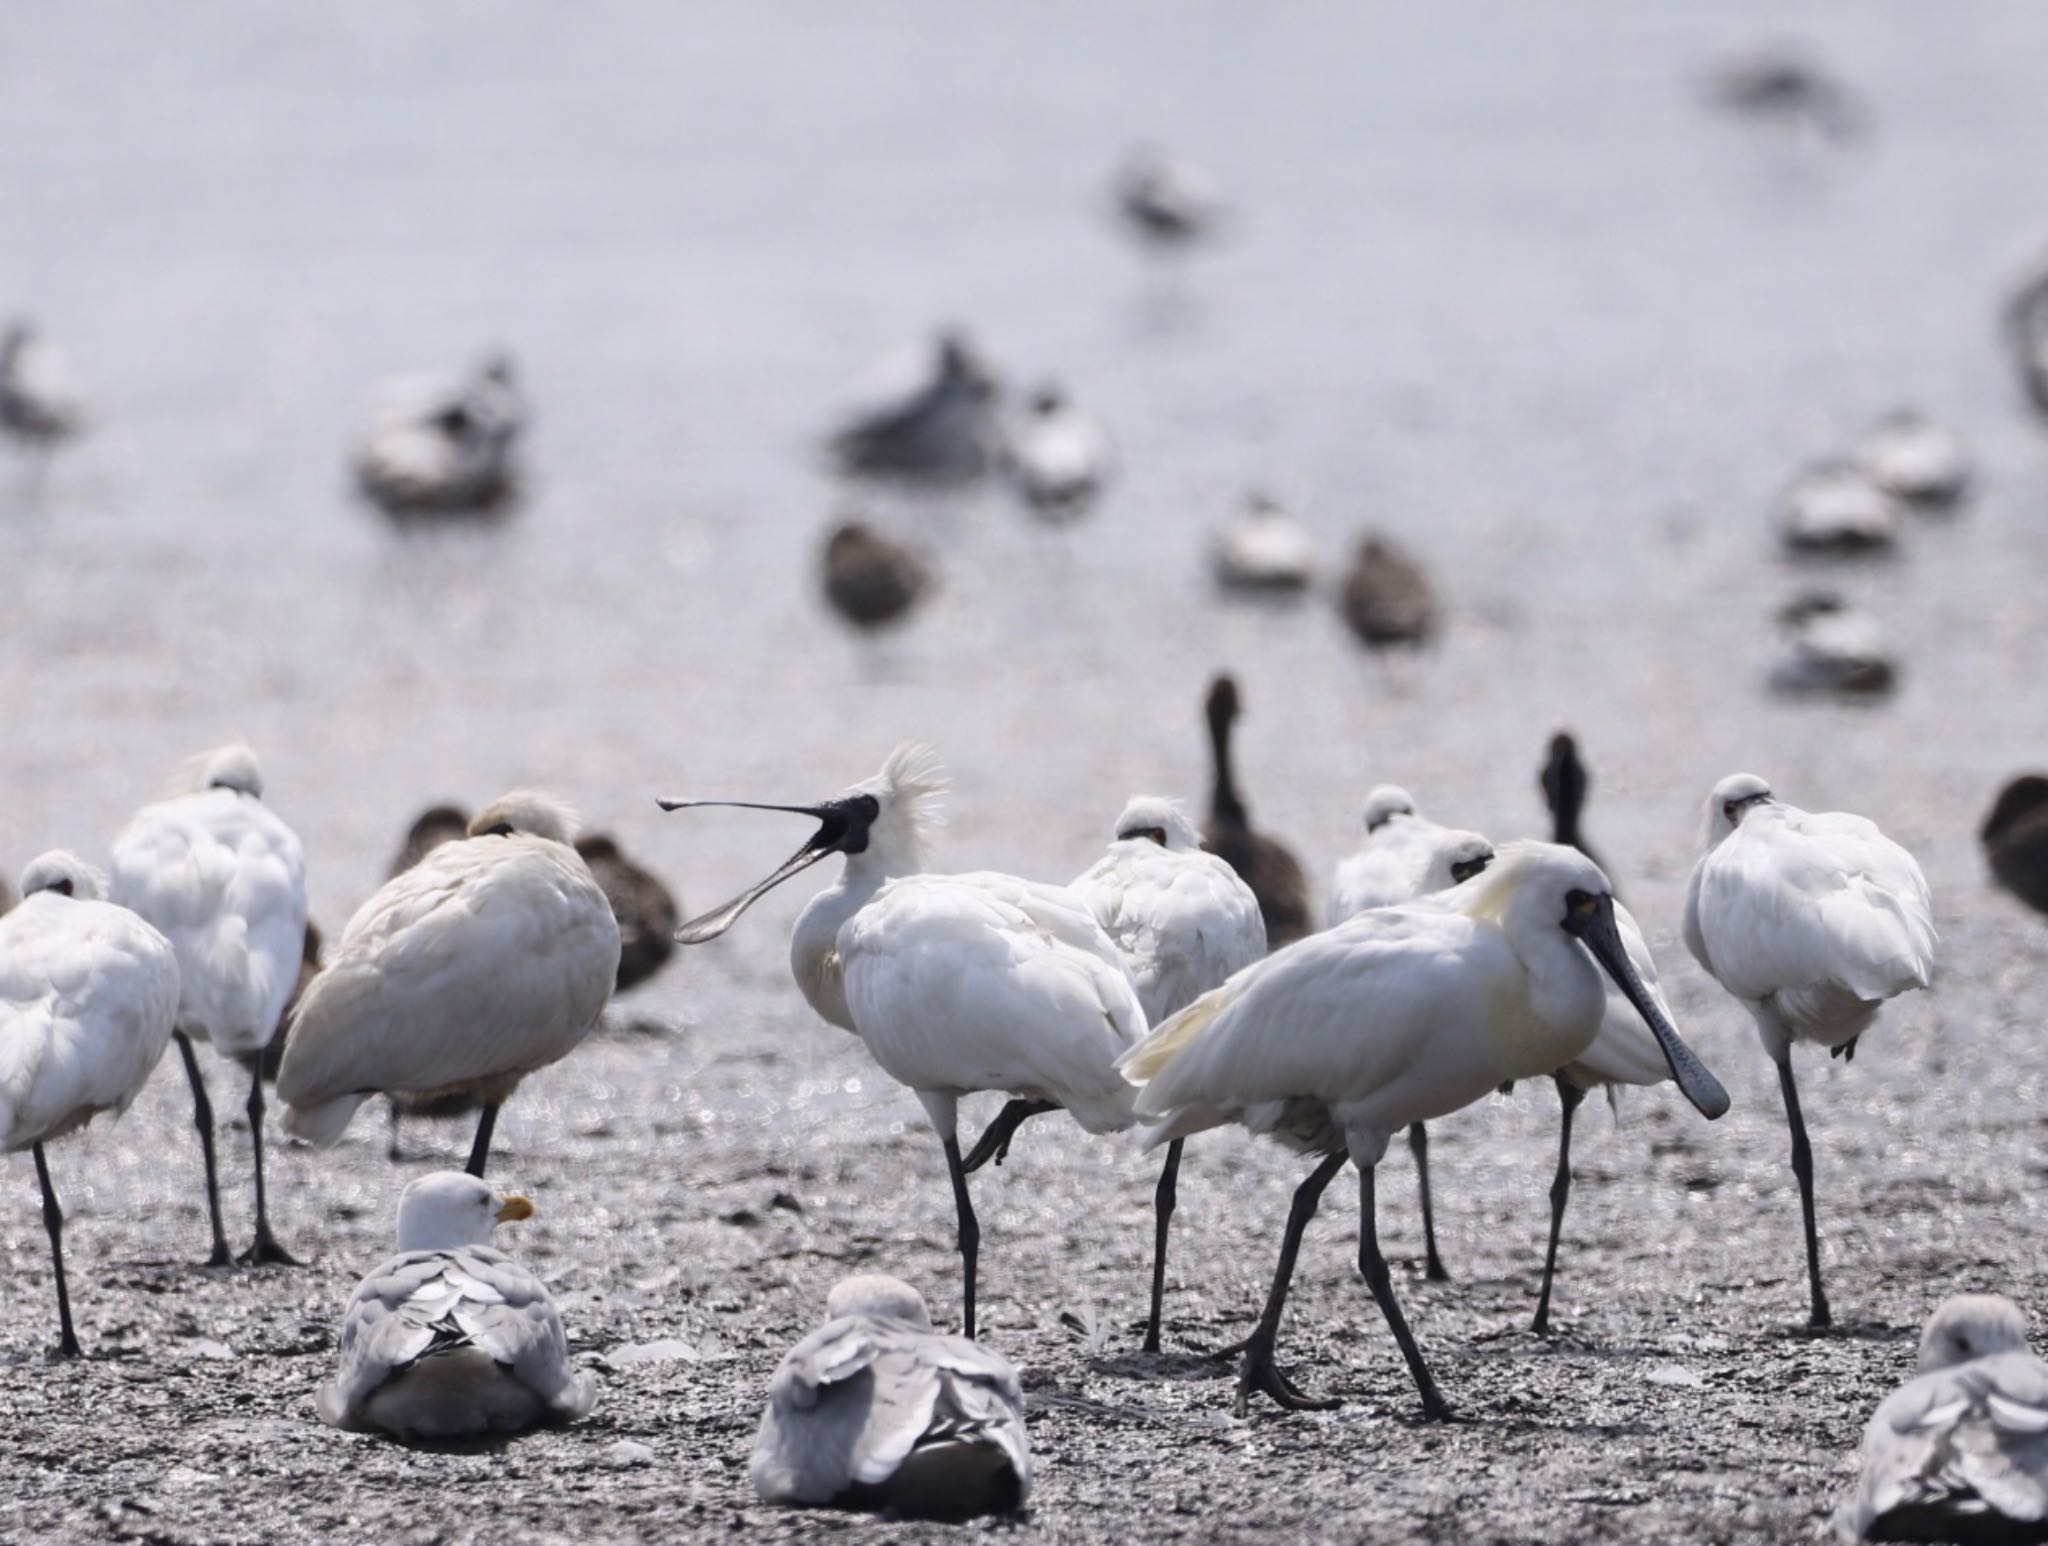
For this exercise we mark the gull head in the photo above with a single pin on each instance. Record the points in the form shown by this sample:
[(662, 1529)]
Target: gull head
[(63, 874), (1969, 1326), (528, 812), (1154, 818), (452, 1208)]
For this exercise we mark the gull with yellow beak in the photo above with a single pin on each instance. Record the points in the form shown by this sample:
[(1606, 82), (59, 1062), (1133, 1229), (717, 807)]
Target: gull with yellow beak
[(451, 1338)]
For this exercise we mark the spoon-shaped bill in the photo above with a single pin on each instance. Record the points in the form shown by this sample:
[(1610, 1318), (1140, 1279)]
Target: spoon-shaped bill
[(1595, 927), (708, 926)]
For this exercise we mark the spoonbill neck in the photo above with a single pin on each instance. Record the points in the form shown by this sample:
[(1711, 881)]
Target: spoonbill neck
[(814, 958)]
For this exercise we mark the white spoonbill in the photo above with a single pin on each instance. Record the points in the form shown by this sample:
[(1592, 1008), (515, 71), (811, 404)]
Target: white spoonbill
[(877, 1410), (449, 446), (88, 995), (1812, 921), (1403, 1014), (490, 958), (451, 1338), (1184, 922), (1960, 1451), (1265, 548), (225, 880), (957, 983), (1406, 855)]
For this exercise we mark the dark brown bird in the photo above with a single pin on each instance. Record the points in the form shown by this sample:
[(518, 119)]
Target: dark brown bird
[(1266, 866), (1565, 783), (646, 910), (871, 579), (437, 824), (2015, 837), (1387, 599)]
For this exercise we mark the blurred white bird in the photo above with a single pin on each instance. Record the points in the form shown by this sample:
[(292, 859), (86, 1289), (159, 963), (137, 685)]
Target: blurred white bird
[(957, 983), (926, 413), (451, 1338), (876, 1410), (1913, 458), (1184, 922), (40, 404), (439, 445), (1812, 921), (1058, 457), (1266, 548), (1167, 204), (88, 995), (1827, 645), (490, 958), (1835, 507), (1403, 1014), (225, 880), (1960, 1451)]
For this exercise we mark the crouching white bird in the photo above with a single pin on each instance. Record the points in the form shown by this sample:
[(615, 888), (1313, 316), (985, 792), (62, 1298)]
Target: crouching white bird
[(490, 958), (957, 983), (88, 995), (443, 445), (1812, 921), (1184, 922), (225, 880), (1960, 1451), (1403, 1014), (451, 1338), (876, 1410)]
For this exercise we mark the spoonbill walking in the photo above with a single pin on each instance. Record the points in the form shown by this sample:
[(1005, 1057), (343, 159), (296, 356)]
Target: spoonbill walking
[(1185, 922), (1812, 921), (1273, 873), (88, 995), (225, 880), (490, 958), (875, 1409), (1403, 1014), (957, 983), (451, 1338)]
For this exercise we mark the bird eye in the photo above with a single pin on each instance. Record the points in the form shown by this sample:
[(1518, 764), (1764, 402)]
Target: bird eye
[(63, 887), (1729, 807)]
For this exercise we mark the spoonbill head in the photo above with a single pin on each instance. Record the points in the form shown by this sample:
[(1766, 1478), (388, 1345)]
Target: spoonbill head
[(1156, 819), (1404, 855), (453, 1208)]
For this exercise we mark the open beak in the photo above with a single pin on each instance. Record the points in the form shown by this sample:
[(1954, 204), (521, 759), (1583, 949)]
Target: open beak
[(515, 1208), (825, 841), (1600, 934)]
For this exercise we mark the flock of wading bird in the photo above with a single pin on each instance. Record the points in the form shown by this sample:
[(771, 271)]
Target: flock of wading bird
[(1176, 986)]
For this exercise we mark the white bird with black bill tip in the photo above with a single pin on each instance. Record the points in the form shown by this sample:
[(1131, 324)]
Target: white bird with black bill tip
[(224, 879), (490, 958), (877, 1410), (451, 1338), (956, 983), (1812, 921), (1185, 923), (88, 996), (1401, 1015)]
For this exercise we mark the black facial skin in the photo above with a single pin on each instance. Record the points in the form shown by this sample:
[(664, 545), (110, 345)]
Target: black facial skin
[(1150, 834)]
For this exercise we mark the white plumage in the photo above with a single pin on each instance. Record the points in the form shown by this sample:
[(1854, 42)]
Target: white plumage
[(490, 958), (40, 402), (225, 881), (88, 995), (1265, 548), (1400, 1015), (1812, 921), (434, 444), (1960, 1451), (451, 1338), (877, 1409), (1058, 456), (1405, 855)]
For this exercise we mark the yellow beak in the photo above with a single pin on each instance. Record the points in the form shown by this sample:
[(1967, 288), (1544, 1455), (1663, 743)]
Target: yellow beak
[(515, 1208)]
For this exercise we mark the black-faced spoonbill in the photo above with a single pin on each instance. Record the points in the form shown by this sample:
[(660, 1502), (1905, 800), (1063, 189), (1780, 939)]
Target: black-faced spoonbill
[(877, 1410), (441, 446), (225, 880), (2015, 838), (1273, 873), (451, 1338), (1960, 1451), (88, 995), (956, 983), (1812, 921), (489, 959), (1185, 922), (1403, 1014)]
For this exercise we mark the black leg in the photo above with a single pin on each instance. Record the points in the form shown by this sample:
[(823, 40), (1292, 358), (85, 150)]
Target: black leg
[(202, 1118), (1374, 1266), (994, 1143), (970, 1233), (53, 1221), (1802, 1167), (1162, 1209), (1568, 1097), (1259, 1371), (1433, 1266), (480, 1151), (392, 1151), (264, 1251)]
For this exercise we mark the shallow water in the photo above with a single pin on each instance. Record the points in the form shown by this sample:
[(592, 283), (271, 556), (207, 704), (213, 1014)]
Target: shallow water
[(1499, 282)]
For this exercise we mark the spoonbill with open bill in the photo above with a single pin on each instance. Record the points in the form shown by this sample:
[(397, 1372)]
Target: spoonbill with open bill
[(225, 880), (1812, 921), (1403, 1014), (957, 983), (88, 996)]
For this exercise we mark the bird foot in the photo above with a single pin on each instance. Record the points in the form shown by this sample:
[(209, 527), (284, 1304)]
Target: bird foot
[(266, 1252), (1434, 1271), (1260, 1372), (67, 1348), (220, 1256)]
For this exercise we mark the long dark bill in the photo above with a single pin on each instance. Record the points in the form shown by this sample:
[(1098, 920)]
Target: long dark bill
[(1602, 936), (708, 926)]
